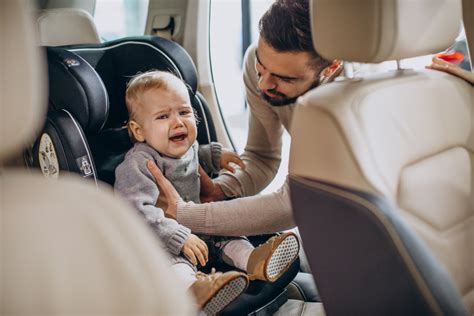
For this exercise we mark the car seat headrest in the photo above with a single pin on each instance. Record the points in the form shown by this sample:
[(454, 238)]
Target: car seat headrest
[(76, 87), (118, 61), (22, 90), (372, 31), (66, 26)]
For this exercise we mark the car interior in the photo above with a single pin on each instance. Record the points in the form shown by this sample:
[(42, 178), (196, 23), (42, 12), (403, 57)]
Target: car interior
[(389, 157), (67, 247), (380, 168), (86, 121)]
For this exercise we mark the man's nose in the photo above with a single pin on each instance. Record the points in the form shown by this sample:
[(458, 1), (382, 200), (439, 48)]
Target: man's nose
[(266, 82)]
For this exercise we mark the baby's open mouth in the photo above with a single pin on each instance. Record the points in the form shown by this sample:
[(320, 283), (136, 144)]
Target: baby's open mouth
[(178, 137)]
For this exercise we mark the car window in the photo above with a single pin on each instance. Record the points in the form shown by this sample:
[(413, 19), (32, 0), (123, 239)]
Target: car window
[(227, 46), (120, 18)]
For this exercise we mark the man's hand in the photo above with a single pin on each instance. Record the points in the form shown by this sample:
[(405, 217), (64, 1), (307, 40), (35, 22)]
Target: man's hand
[(210, 191), (168, 190), (441, 65), (228, 157), (195, 249)]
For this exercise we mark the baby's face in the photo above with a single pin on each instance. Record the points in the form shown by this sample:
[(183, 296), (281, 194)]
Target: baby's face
[(167, 121)]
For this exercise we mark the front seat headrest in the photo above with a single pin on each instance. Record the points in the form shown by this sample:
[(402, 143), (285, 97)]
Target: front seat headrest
[(66, 26), (22, 92), (378, 30)]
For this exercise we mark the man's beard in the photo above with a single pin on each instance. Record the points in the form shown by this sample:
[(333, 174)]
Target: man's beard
[(283, 99)]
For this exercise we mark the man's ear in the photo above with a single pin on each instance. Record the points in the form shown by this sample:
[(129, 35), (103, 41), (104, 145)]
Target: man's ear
[(136, 130)]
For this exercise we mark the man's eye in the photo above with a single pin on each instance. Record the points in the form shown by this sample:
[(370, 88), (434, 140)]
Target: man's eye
[(185, 112), (162, 117), (286, 79)]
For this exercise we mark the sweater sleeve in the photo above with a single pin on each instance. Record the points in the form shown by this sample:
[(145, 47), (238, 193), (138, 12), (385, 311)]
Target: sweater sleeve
[(262, 155), (210, 157), (135, 182), (254, 215)]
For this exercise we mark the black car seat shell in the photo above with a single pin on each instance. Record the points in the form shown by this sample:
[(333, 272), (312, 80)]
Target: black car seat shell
[(88, 83), (88, 116), (117, 62), (78, 106)]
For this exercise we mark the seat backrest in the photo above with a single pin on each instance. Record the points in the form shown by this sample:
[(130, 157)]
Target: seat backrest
[(66, 26), (381, 167), (87, 86), (66, 247)]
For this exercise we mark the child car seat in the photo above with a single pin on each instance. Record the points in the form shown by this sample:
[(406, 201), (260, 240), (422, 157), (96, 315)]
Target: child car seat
[(87, 118)]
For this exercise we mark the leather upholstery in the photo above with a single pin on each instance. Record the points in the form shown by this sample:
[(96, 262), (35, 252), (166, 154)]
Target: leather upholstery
[(301, 308), (381, 170), (70, 248), (407, 137), (22, 70), (66, 26), (377, 30), (67, 247)]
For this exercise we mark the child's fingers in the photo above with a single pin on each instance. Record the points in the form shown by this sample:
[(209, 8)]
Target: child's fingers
[(203, 247), (229, 167), (200, 256), (236, 159), (240, 163), (189, 253)]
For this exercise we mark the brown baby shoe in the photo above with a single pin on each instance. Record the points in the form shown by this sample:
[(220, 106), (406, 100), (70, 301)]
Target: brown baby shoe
[(270, 260), (214, 291)]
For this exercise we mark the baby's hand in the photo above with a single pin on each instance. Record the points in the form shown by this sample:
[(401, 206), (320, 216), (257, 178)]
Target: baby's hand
[(195, 249), (227, 157)]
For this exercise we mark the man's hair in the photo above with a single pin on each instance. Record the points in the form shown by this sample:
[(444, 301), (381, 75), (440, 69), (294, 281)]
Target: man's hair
[(144, 82), (286, 27)]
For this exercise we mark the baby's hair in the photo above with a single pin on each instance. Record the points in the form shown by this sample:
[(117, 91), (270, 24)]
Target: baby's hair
[(142, 82)]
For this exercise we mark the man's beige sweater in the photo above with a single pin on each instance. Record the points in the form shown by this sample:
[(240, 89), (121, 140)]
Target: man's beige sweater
[(255, 214)]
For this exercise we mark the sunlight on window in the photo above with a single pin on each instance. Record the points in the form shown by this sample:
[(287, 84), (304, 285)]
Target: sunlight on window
[(120, 18)]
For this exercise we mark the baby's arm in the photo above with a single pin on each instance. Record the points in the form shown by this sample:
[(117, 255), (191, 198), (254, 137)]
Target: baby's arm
[(135, 182), (209, 156)]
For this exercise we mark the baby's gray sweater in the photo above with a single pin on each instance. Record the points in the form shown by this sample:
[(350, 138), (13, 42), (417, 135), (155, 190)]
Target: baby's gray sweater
[(135, 182)]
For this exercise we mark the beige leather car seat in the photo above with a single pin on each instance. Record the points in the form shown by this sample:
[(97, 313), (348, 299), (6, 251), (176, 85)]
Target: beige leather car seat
[(382, 167), (66, 248), (66, 26)]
